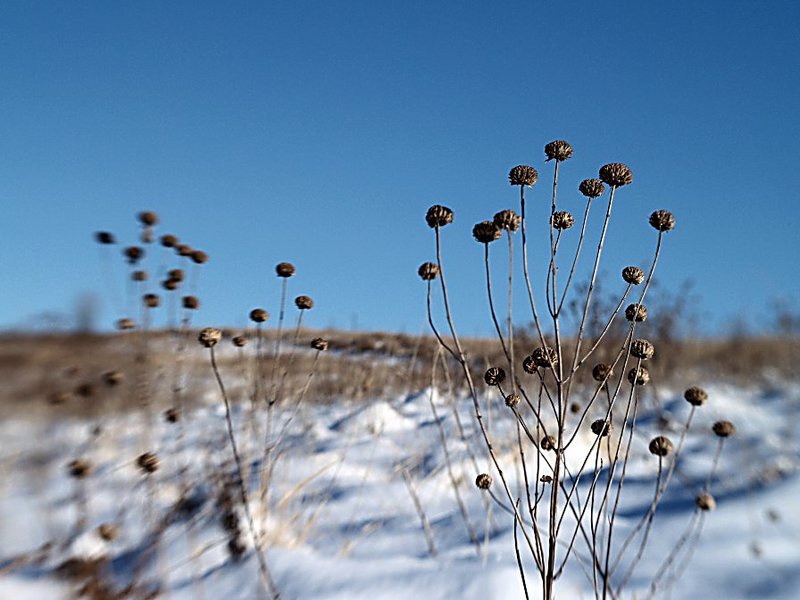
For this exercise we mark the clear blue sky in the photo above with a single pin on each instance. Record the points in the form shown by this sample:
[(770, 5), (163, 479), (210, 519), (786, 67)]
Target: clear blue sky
[(320, 132)]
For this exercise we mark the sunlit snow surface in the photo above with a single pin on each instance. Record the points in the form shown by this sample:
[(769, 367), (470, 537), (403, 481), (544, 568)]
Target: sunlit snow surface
[(343, 523)]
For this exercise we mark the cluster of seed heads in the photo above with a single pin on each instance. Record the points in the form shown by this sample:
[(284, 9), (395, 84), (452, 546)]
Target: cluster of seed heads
[(616, 175), (523, 175), (591, 188), (438, 216), (486, 232), (558, 150), (662, 220), (507, 219)]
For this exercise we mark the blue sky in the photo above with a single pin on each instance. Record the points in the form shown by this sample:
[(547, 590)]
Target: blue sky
[(319, 133)]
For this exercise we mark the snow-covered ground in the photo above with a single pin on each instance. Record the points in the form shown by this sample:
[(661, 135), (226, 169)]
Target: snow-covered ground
[(343, 522)]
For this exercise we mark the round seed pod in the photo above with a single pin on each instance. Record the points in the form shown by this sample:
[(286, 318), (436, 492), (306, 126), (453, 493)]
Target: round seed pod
[(662, 220), (513, 400), (643, 349), (184, 250), (438, 216), (176, 274), (285, 269), (84, 390), (108, 532), (633, 275), (151, 300), (209, 336), (529, 365), (723, 429), (320, 344), (660, 446), (199, 257), (561, 219), (139, 276), (133, 254), (486, 232), (616, 174), (546, 479), (558, 150), (638, 377), (170, 284), (602, 371), (507, 219), (591, 188), (705, 501), (79, 468), (113, 378), (523, 175), (147, 462), (148, 218), (575, 407), (125, 324), (304, 302), (172, 415), (428, 271), (494, 376), (601, 428), (483, 481), (239, 341), (105, 237), (169, 241), (636, 312), (548, 442), (258, 315), (545, 357), (695, 396), (191, 302)]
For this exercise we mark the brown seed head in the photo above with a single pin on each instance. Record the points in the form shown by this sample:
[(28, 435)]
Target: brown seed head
[(660, 446), (438, 216), (633, 275), (494, 376), (601, 427), (548, 442), (169, 240), (147, 462), (184, 250), (191, 302), (616, 174), (170, 284), (561, 219), (428, 271), (133, 254), (304, 302), (507, 219), (575, 407), (546, 479), (529, 365), (139, 276), (113, 378), (723, 429), (258, 315), (695, 396), (591, 188), (105, 237), (148, 218), (486, 232), (285, 269), (483, 481), (602, 371), (636, 312), (79, 468), (513, 400), (523, 175), (638, 377), (172, 415), (558, 150), (239, 341), (199, 257), (125, 324), (705, 501), (662, 220), (151, 300), (643, 349), (209, 336), (545, 356), (176, 274), (320, 344), (108, 532)]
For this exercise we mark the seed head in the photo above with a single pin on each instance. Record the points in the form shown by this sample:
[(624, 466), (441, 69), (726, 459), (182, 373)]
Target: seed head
[(151, 300), (176, 274), (125, 324), (199, 257), (636, 312), (108, 532), (662, 220), (184, 250), (616, 174), (239, 341), (191, 302), (209, 336), (558, 150), (660, 446), (602, 371), (139, 276), (591, 188), (170, 284), (113, 378), (483, 481), (494, 376), (258, 315), (545, 356), (695, 396), (320, 344), (486, 232), (304, 302), (105, 237), (147, 462), (79, 468), (513, 400), (633, 275), (528, 365), (705, 501), (523, 175), (507, 219), (438, 216), (546, 479), (172, 415), (285, 269), (601, 427), (168, 240), (575, 407), (723, 429), (638, 377), (148, 218), (561, 219), (548, 442), (642, 349), (133, 254), (428, 271)]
